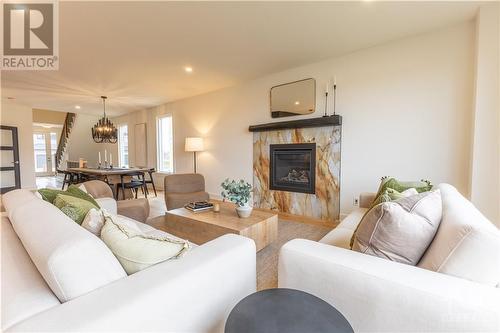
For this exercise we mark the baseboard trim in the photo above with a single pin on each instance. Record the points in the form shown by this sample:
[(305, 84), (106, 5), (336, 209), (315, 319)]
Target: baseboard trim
[(305, 219)]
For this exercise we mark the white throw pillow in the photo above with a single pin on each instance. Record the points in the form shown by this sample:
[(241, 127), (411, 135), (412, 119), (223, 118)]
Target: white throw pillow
[(409, 192), (94, 221), (134, 249), (83, 188), (467, 245), (109, 205), (400, 230)]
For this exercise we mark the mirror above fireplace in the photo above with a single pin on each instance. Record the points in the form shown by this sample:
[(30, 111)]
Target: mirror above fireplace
[(293, 99)]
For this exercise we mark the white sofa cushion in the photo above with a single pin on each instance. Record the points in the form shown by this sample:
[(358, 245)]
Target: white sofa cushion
[(72, 261), (341, 235), (24, 291), (466, 245), (400, 230), (16, 199)]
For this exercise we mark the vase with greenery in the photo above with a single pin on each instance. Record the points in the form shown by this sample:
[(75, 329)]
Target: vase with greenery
[(238, 191)]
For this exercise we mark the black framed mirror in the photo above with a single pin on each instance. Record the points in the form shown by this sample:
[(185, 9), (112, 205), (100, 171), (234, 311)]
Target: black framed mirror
[(293, 98)]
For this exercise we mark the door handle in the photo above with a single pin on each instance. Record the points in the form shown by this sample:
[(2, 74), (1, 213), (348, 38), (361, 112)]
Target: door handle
[(15, 162)]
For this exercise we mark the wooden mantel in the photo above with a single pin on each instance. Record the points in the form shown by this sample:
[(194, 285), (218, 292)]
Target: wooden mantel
[(334, 120)]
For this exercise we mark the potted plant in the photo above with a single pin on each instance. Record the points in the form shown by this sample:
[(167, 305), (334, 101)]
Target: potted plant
[(239, 193)]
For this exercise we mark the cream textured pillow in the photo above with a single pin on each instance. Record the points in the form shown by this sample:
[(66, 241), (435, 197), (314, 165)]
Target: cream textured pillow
[(136, 250), (400, 230), (467, 245), (94, 221)]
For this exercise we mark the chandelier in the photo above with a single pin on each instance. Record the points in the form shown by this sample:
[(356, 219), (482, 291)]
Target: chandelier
[(104, 131)]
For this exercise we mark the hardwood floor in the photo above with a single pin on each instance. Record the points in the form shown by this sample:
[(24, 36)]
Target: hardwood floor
[(50, 181), (267, 258)]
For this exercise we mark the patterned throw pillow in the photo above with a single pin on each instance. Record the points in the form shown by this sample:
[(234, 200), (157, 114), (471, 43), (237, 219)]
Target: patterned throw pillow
[(94, 221), (75, 208)]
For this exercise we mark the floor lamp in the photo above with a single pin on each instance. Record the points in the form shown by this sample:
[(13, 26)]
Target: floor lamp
[(194, 145)]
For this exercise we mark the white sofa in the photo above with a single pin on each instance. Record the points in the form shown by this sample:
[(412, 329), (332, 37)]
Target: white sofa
[(192, 294), (377, 295)]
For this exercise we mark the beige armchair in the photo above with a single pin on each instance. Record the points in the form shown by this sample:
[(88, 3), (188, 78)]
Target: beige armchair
[(181, 189), (137, 209)]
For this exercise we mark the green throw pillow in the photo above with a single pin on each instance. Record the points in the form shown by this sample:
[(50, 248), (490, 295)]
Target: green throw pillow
[(76, 192), (393, 183), (389, 194), (49, 194), (75, 208)]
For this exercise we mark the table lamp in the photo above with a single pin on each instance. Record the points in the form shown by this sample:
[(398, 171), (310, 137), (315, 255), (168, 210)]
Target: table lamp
[(194, 144)]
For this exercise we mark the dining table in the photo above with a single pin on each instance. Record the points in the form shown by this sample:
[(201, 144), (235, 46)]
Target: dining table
[(112, 176)]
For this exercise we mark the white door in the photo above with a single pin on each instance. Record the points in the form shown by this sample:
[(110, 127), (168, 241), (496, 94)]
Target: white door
[(45, 144)]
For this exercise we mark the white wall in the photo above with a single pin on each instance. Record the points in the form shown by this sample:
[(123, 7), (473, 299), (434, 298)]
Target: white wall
[(407, 109), (20, 116), (48, 117), (81, 144), (486, 147)]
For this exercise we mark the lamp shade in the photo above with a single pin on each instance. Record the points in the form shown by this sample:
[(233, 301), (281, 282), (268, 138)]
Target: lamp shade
[(194, 144)]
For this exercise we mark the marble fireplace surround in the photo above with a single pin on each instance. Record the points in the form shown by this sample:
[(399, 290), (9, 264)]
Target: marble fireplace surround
[(324, 204)]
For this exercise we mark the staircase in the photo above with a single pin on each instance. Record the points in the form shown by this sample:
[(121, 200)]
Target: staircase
[(63, 140)]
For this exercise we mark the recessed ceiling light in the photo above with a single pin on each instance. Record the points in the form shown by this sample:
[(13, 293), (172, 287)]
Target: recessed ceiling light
[(297, 103), (188, 69), (78, 107)]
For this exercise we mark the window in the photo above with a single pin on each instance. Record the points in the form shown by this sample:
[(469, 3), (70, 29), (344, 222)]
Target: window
[(53, 149), (123, 146), (164, 140), (40, 152)]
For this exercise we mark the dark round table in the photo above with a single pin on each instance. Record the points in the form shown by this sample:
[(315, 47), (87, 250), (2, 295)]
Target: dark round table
[(285, 311)]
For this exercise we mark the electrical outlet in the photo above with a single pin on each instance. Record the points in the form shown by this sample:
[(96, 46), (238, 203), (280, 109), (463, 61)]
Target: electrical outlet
[(355, 201)]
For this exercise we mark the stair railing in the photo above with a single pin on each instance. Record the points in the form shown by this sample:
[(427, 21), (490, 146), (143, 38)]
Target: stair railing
[(63, 140)]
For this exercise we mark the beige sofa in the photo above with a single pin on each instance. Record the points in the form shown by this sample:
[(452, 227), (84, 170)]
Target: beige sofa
[(57, 276), (378, 295)]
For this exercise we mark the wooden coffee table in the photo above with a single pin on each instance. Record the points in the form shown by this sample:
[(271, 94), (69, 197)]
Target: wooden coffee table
[(201, 227)]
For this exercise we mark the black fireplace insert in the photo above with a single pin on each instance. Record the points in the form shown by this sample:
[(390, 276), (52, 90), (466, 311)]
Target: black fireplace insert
[(293, 167)]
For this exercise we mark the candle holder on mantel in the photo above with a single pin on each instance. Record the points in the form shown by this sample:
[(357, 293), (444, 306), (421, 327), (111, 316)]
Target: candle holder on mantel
[(98, 165), (334, 97), (326, 105)]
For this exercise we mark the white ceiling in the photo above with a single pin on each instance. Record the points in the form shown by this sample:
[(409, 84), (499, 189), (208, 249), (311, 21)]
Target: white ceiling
[(135, 52)]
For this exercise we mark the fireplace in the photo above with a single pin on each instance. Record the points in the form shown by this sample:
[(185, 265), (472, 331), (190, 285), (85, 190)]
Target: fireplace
[(293, 167)]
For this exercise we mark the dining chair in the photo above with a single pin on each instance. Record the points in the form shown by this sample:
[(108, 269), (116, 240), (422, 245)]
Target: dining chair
[(69, 178), (150, 180), (134, 184)]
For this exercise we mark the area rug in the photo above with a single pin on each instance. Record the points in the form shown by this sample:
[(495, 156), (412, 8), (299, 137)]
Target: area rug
[(267, 258)]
